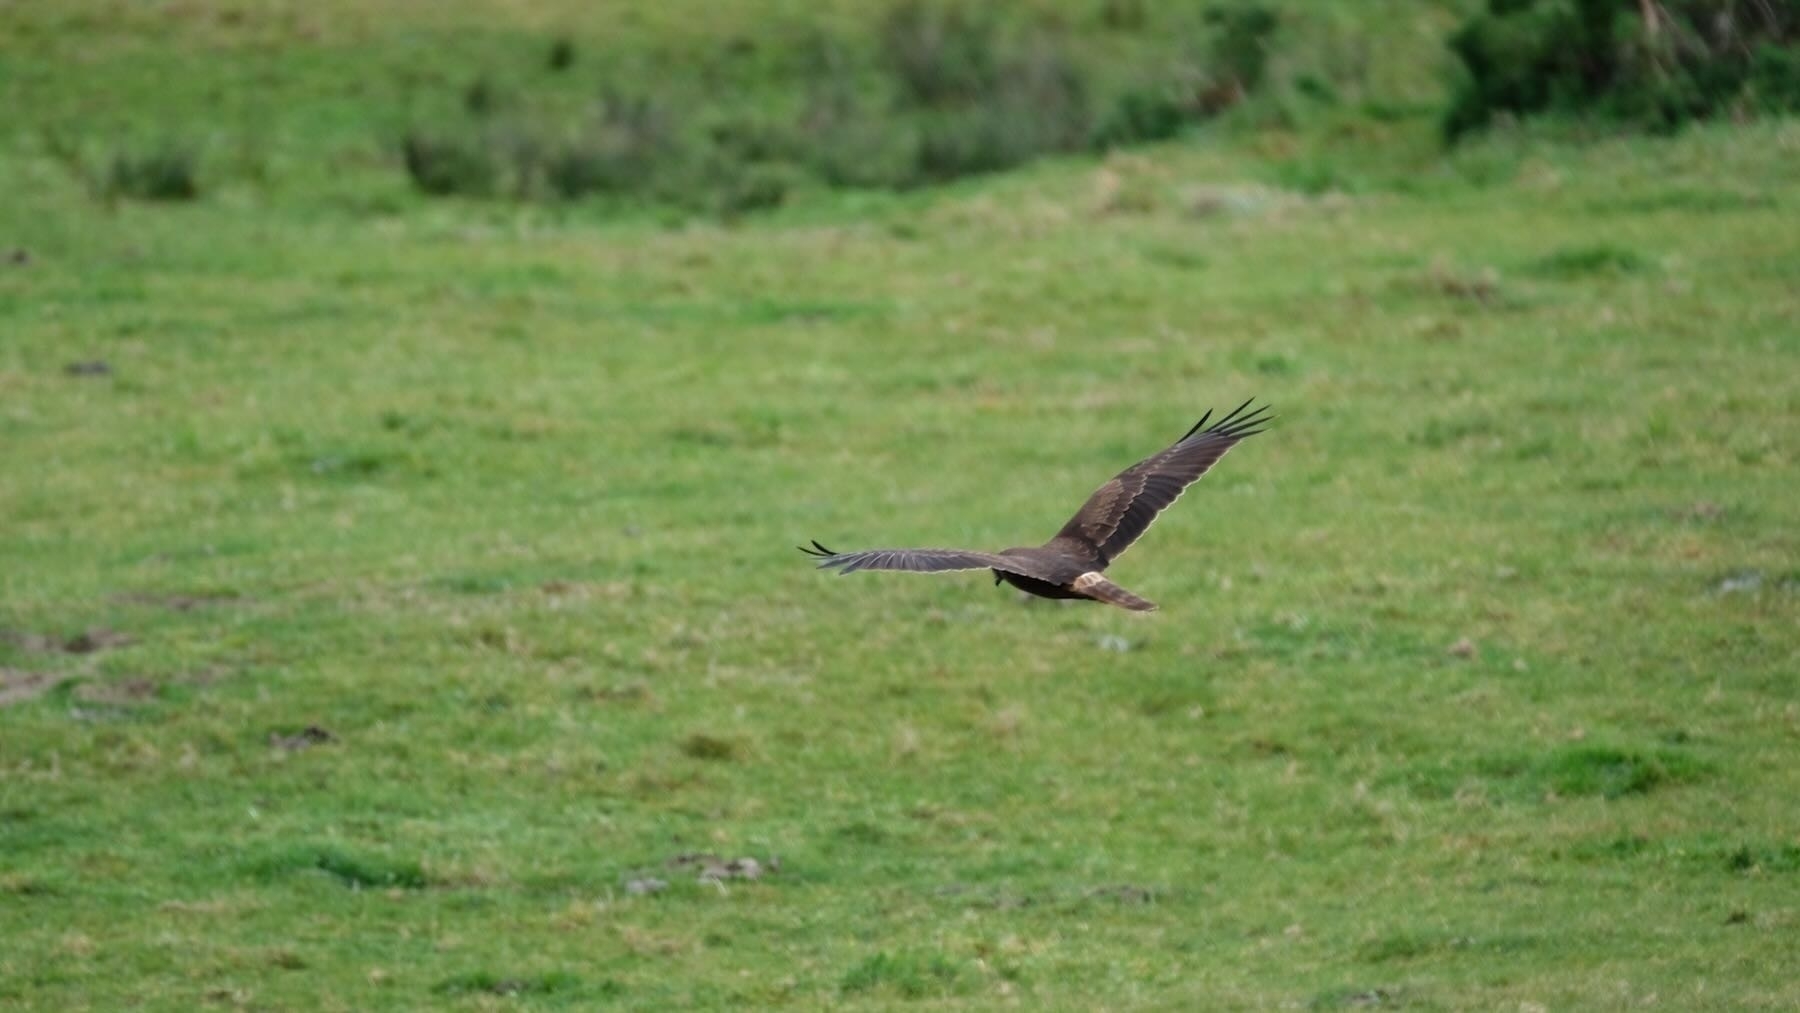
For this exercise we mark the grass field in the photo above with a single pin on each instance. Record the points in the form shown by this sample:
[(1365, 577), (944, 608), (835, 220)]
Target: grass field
[(398, 595)]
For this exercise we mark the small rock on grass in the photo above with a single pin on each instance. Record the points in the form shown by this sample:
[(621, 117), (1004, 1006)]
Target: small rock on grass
[(713, 869), (1739, 582)]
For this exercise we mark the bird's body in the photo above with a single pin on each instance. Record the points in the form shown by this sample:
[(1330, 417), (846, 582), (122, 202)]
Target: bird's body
[(1061, 564), (1072, 564)]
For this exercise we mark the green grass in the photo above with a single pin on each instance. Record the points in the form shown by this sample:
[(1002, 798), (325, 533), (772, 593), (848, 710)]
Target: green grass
[(504, 497)]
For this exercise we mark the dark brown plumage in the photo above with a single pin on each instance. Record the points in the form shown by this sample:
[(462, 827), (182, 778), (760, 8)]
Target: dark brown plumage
[(1116, 515)]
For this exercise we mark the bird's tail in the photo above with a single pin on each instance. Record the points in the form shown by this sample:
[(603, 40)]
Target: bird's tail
[(1100, 589)]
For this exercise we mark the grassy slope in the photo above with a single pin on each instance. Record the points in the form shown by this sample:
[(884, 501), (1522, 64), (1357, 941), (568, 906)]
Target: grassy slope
[(504, 499)]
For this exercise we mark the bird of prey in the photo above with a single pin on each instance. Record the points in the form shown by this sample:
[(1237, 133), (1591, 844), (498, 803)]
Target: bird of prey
[(1071, 564)]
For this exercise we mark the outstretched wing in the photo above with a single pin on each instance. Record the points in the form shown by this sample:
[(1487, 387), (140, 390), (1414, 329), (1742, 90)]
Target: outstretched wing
[(1122, 509), (922, 561)]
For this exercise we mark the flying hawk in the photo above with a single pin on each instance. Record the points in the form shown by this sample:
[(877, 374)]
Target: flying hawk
[(1070, 565)]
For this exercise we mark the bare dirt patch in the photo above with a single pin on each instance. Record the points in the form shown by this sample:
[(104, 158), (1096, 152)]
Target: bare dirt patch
[(124, 693), (17, 686), (88, 641), (305, 738)]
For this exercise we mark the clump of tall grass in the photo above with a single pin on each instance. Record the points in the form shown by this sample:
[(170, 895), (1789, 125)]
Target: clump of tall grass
[(166, 171)]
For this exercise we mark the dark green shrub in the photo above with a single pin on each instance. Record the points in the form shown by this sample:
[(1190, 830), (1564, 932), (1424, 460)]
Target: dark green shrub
[(943, 89), (1140, 115), (562, 54), (168, 171), (1316, 88), (862, 151), (747, 189), (1045, 87), (1235, 55), (940, 53), (583, 168), (1775, 78), (1238, 52), (441, 165), (1039, 107), (747, 139), (629, 145), (1656, 65), (969, 142), (841, 135), (481, 97), (964, 101), (1124, 15)]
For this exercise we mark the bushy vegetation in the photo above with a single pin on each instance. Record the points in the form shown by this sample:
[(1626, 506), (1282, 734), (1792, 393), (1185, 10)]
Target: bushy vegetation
[(1658, 63), (937, 91), (902, 94), (623, 148), (166, 171), (447, 164)]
